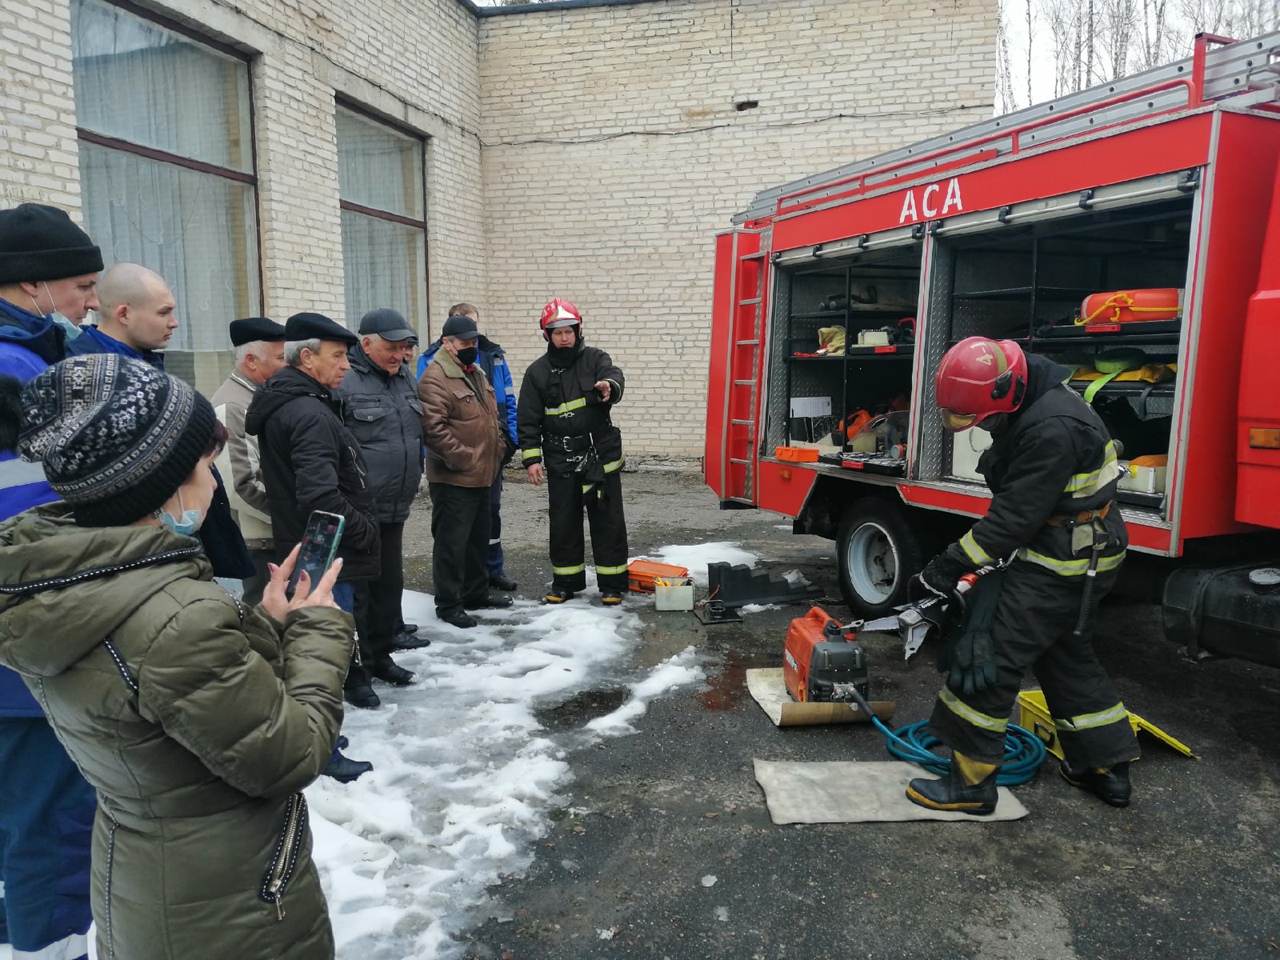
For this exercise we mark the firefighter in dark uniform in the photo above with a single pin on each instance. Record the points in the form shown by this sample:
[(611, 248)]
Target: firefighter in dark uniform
[(1052, 472), (566, 435)]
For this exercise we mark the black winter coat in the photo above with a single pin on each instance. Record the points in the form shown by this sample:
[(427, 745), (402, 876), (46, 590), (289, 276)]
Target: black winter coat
[(310, 461), (561, 415), (1052, 459), (384, 414)]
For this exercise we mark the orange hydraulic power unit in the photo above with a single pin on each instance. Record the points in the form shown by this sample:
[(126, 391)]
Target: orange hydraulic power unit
[(823, 662)]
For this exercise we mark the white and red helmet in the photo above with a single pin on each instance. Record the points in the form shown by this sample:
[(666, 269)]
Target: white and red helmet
[(560, 313)]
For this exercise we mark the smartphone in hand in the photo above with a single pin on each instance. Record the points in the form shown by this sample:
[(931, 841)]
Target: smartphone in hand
[(319, 547)]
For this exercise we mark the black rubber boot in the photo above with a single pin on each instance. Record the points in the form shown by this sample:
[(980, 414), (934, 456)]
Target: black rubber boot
[(952, 793), (558, 595), (1111, 787)]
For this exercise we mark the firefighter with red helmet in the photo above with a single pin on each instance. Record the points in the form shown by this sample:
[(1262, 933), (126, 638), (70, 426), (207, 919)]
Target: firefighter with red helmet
[(1052, 471), (567, 437)]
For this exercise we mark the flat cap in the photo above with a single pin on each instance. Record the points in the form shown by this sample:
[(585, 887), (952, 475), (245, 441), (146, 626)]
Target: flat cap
[(316, 326), (253, 329), (460, 326), (388, 324)]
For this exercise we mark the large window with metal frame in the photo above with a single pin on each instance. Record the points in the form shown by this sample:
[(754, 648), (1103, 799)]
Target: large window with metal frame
[(167, 169), (384, 227)]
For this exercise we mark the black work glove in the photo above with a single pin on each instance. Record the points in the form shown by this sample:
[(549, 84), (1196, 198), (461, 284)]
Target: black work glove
[(969, 654), (938, 578), (971, 662)]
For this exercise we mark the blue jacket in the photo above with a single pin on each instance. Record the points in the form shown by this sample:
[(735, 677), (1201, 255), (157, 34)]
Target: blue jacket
[(91, 340), (28, 344), (494, 363)]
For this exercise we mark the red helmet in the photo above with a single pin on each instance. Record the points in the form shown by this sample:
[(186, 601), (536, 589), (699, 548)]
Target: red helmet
[(559, 313), (978, 378)]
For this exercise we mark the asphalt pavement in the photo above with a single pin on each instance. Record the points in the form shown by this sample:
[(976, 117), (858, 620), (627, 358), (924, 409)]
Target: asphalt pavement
[(664, 847)]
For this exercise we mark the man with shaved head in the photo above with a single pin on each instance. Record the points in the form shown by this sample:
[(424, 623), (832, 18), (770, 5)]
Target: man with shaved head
[(135, 316)]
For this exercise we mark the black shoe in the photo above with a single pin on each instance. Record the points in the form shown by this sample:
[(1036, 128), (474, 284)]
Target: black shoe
[(393, 674), (345, 770), (410, 641), (493, 601), (558, 595), (952, 793), (610, 598), (458, 618), (342, 743), (407, 628), (1112, 787), (362, 696), (503, 583)]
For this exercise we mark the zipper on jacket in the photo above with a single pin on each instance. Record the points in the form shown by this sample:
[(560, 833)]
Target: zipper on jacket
[(280, 869)]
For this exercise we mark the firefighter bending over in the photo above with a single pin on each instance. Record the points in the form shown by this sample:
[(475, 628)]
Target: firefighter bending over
[(1052, 472), (567, 436)]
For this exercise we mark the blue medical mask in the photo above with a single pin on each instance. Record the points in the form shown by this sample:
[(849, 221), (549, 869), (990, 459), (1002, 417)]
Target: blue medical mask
[(61, 319), (187, 526)]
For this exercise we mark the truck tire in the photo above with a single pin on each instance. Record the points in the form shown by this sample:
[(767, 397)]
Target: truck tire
[(877, 552)]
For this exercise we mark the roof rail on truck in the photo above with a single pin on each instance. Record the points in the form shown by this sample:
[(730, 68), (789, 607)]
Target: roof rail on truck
[(1219, 69)]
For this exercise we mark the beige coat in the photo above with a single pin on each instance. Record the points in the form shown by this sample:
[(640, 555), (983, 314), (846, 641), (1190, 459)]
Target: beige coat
[(460, 424)]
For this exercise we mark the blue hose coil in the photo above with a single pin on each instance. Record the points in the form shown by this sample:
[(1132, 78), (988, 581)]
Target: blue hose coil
[(1023, 751)]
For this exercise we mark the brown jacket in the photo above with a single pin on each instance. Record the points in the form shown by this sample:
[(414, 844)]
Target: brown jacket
[(460, 424)]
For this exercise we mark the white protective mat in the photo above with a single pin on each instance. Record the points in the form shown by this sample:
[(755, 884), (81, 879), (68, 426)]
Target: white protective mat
[(848, 792), (768, 689)]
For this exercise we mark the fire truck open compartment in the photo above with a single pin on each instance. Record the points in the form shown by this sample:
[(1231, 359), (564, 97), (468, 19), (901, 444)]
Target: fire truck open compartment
[(1163, 188), (1027, 283)]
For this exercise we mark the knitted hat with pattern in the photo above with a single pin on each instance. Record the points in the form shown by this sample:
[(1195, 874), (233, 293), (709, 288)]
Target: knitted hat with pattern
[(117, 437)]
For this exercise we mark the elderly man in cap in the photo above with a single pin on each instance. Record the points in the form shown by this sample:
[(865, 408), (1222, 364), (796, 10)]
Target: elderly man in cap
[(259, 352), (465, 439), (382, 410), (48, 275), (310, 461)]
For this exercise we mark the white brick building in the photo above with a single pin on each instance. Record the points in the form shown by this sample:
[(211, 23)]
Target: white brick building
[(589, 149)]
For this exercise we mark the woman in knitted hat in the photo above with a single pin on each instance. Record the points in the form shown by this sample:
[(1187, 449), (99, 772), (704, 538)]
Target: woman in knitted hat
[(197, 720)]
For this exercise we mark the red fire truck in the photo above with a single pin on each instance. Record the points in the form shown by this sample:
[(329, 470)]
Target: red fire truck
[(1130, 232)]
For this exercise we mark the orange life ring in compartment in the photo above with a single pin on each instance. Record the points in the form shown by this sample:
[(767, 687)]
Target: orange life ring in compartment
[(1131, 306)]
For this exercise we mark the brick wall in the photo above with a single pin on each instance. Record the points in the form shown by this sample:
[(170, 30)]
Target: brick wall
[(38, 156), (614, 153)]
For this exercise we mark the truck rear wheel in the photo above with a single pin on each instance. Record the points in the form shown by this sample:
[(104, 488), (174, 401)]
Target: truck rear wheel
[(878, 552)]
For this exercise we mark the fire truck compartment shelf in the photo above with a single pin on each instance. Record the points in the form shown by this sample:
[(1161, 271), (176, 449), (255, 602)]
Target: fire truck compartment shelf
[(1066, 294)]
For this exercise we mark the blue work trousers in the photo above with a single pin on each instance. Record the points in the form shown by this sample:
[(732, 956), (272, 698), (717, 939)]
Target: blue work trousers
[(46, 827)]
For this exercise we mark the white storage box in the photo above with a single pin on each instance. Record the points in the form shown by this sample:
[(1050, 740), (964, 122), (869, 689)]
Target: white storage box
[(673, 594), (1141, 479), (966, 448)]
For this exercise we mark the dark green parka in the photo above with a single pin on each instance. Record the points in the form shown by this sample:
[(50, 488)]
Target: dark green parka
[(197, 720)]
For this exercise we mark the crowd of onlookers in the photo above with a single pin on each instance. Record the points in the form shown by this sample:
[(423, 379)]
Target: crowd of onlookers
[(156, 729)]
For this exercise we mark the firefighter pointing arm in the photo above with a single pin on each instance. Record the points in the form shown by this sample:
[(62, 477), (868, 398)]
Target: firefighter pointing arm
[(1052, 472), (567, 437)]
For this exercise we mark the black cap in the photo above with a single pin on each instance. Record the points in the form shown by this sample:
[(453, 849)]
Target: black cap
[(316, 326), (39, 242), (388, 324), (460, 326), (253, 329)]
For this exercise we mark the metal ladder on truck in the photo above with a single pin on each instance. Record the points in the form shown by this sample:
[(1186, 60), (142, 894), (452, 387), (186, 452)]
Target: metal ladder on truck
[(744, 369), (1247, 72)]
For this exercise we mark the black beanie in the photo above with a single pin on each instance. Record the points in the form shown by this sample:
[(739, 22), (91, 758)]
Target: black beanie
[(117, 437), (38, 242)]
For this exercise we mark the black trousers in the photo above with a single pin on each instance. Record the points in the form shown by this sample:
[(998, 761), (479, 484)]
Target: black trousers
[(460, 545), (385, 594), (360, 673), (1033, 630), (608, 525)]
